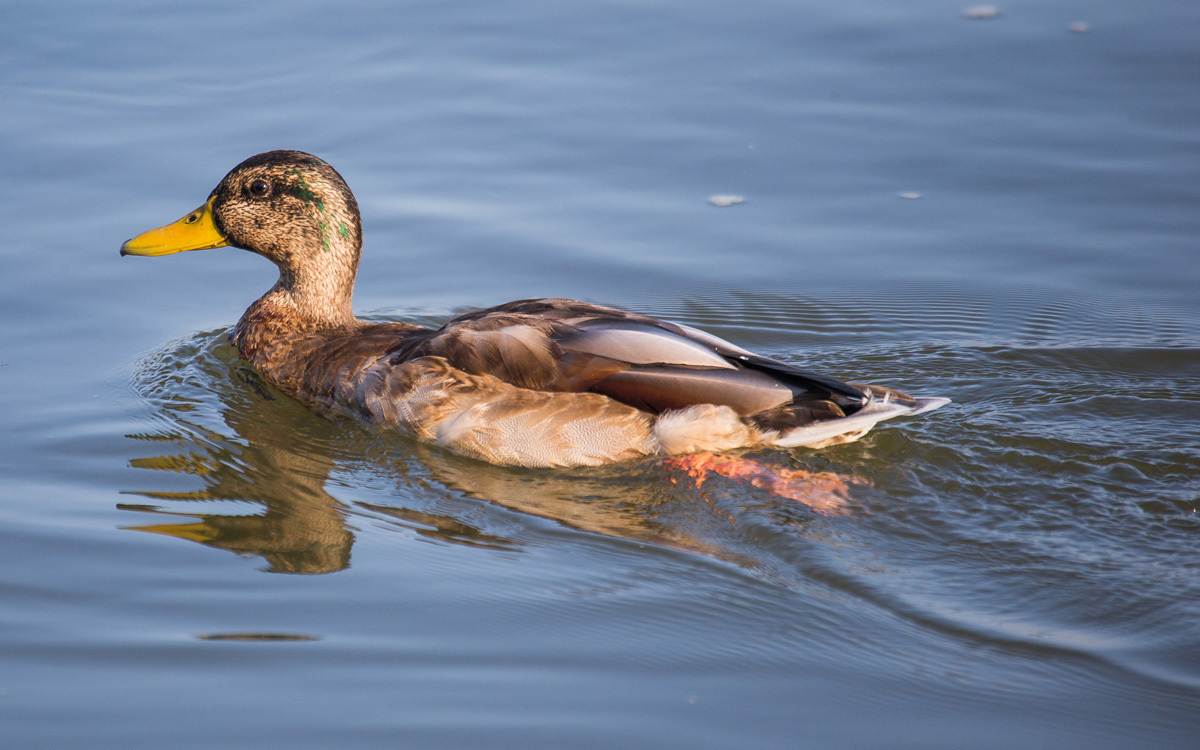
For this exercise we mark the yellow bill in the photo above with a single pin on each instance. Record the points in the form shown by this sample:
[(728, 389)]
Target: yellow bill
[(196, 231)]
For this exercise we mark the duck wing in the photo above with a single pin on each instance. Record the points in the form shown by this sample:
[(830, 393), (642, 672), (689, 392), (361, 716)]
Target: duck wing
[(652, 365)]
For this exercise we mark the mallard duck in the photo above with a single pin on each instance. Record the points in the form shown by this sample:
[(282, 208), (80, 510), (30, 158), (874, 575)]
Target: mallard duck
[(537, 383)]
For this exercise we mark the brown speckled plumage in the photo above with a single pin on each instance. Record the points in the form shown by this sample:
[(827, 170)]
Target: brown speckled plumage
[(547, 382)]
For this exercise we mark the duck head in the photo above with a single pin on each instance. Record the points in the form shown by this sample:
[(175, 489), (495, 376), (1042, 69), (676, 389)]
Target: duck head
[(289, 207)]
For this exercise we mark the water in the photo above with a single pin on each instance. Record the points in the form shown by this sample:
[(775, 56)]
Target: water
[(1016, 569)]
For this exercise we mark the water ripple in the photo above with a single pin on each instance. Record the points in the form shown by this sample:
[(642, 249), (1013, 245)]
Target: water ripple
[(1049, 510)]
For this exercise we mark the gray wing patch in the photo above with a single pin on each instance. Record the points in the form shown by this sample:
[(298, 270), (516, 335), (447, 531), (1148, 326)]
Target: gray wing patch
[(639, 344), (715, 342)]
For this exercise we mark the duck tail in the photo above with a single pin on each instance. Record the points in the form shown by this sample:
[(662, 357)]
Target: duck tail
[(882, 404)]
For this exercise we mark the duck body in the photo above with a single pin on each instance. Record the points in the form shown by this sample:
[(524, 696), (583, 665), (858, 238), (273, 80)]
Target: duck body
[(539, 383)]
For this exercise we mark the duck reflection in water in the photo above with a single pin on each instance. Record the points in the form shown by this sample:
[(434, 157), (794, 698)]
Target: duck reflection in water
[(262, 448)]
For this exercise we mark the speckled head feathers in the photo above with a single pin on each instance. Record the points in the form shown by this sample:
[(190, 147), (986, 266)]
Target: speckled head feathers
[(289, 206)]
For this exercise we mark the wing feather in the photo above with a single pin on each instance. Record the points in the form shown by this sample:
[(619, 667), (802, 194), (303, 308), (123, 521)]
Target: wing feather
[(638, 343), (518, 354), (653, 365)]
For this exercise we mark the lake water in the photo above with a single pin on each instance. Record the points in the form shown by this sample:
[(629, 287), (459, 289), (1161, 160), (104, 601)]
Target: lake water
[(1002, 211)]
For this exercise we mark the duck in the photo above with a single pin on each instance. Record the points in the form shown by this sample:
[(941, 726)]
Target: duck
[(534, 383)]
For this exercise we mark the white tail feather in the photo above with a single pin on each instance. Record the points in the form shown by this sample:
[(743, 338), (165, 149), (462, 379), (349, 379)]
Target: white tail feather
[(856, 425)]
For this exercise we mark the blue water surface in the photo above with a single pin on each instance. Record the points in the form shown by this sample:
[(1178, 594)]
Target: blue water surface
[(1002, 211)]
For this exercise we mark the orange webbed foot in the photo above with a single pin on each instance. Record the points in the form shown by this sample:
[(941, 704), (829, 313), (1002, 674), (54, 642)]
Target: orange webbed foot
[(823, 491)]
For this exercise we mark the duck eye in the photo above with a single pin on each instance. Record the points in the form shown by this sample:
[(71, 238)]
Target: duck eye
[(259, 188)]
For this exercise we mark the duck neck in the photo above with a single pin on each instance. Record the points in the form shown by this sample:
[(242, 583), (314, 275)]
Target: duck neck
[(317, 295), (312, 298)]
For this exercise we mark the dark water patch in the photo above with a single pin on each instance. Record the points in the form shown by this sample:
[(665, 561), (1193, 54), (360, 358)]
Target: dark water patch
[(257, 637)]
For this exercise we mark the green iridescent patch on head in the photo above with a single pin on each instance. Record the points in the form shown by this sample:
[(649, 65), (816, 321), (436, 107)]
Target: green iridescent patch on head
[(300, 187), (324, 235), (302, 191), (344, 231)]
